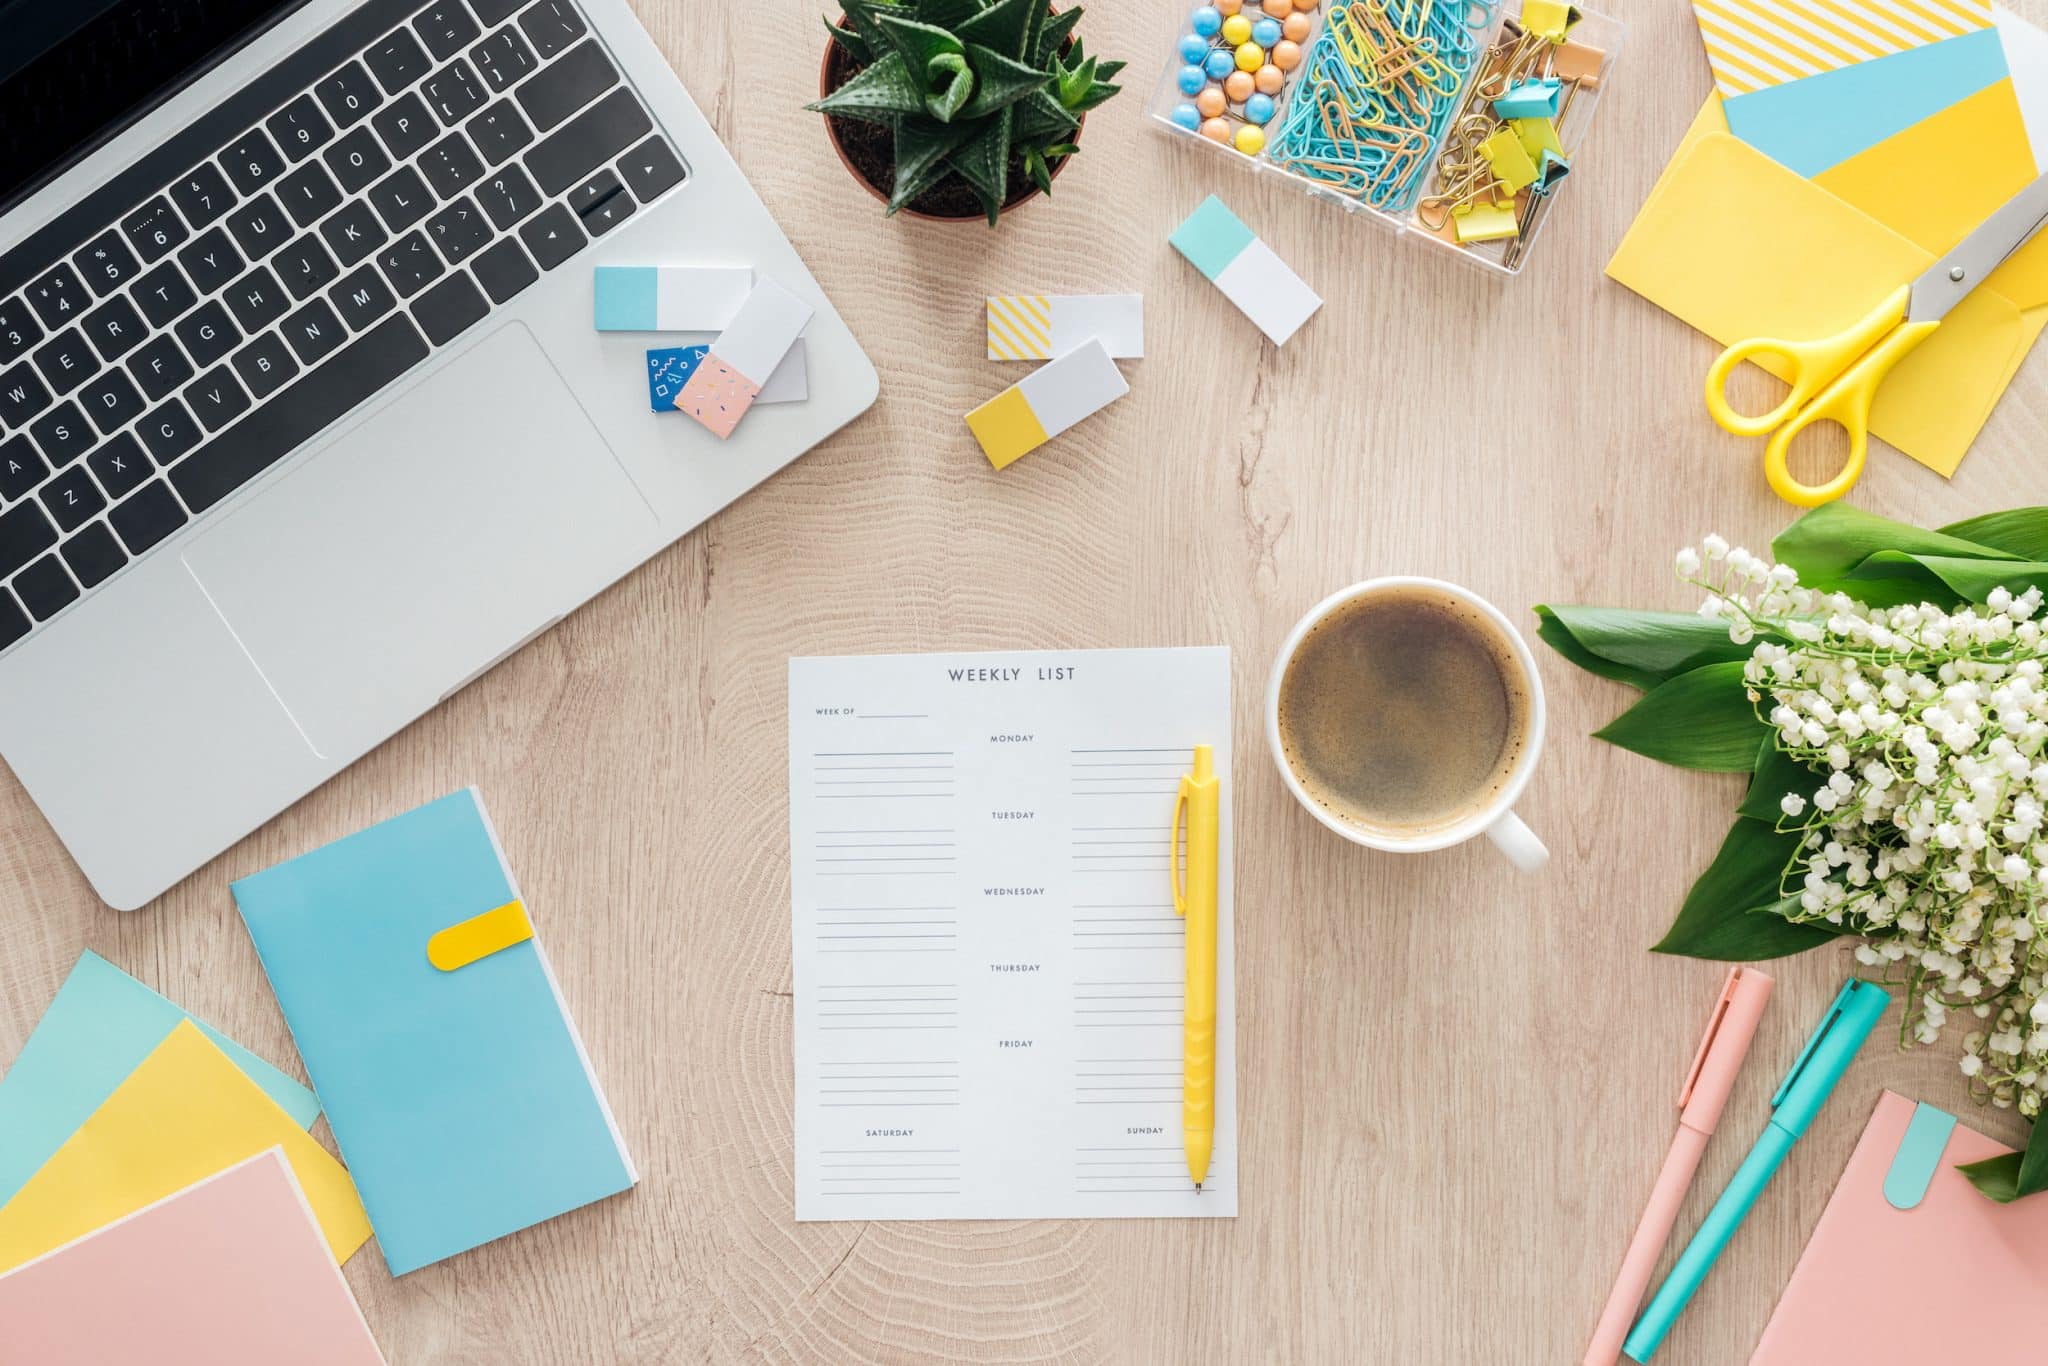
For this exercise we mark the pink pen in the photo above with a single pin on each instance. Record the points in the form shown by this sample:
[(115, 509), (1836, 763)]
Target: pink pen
[(1707, 1084)]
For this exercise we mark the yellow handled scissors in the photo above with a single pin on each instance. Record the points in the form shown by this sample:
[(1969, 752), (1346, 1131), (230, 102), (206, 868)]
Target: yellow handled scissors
[(1834, 379)]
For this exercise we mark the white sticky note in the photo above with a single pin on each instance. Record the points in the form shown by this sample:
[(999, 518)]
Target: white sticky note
[(1046, 402), (668, 298), (1048, 326), (1267, 291), (791, 382), (745, 356)]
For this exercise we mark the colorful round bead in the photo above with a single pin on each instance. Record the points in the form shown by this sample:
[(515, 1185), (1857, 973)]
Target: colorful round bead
[(1237, 30), (1286, 55), (1259, 108), (1192, 79), (1208, 19), (1266, 32), (1238, 86), (1216, 130), (1221, 63), (1211, 104), (1295, 28), (1194, 49), (1187, 116), (1279, 9), (1250, 57), (1229, 7), (1305, 5), (1269, 79), (1251, 140)]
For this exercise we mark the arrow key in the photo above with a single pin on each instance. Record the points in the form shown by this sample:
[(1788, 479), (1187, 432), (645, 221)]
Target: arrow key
[(552, 236), (651, 168)]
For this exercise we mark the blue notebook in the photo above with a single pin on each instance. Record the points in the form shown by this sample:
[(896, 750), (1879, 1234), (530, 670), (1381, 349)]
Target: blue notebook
[(434, 1032)]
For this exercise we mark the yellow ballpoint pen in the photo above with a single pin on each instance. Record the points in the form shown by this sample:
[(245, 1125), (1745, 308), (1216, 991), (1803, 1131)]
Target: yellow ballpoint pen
[(1194, 897)]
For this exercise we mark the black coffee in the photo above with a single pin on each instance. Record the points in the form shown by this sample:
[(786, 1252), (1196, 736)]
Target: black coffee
[(1404, 711)]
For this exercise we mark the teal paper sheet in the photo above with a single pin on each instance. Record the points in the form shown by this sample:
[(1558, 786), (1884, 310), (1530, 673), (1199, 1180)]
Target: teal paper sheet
[(98, 1029), (462, 1101)]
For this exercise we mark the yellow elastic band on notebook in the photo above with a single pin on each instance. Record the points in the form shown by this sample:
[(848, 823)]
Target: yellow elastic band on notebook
[(479, 937)]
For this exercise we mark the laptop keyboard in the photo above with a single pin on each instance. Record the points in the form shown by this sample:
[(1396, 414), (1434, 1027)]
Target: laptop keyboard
[(321, 232)]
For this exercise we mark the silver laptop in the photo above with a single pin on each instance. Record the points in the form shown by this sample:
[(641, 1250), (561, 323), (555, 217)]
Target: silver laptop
[(304, 423)]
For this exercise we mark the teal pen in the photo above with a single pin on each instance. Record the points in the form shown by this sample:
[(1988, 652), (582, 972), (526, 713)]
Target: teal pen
[(1812, 1080)]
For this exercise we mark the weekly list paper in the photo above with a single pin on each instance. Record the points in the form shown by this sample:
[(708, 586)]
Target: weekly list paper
[(988, 964)]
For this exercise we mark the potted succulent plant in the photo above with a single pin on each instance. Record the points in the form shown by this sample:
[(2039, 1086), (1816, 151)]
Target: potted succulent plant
[(957, 109)]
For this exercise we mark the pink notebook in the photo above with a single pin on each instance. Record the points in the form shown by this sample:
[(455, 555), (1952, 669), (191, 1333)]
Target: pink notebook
[(231, 1272), (1910, 1263)]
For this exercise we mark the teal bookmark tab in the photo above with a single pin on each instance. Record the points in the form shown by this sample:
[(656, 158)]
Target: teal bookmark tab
[(627, 298), (1919, 1157), (1212, 237)]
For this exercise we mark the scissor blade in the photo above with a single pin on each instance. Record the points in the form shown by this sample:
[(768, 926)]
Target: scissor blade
[(1976, 256)]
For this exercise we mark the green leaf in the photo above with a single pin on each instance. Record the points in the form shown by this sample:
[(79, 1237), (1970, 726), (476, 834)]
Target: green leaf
[(953, 81), (855, 45), (1108, 71), (1010, 27), (862, 16), (1035, 167), (2008, 1178), (1827, 544), (1971, 580), (983, 161), (1052, 35), (921, 152), (880, 94), (1735, 912), (1641, 649), (1776, 774), (1039, 116), (1701, 719), (2021, 531), (1099, 93), (1000, 82), (1072, 86), (948, 14), (920, 45)]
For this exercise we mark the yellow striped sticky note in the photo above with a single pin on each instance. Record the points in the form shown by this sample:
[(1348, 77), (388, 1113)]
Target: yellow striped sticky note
[(1046, 327), (1755, 44)]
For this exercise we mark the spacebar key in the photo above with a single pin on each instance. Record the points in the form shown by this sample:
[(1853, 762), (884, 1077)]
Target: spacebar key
[(298, 412)]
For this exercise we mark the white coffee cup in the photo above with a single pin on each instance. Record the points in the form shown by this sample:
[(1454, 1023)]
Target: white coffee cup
[(1496, 820)]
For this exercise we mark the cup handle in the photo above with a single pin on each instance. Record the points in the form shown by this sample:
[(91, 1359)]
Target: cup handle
[(1518, 842)]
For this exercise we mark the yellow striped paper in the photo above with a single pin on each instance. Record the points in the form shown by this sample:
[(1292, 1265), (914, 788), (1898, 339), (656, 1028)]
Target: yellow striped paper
[(1019, 327), (1755, 44)]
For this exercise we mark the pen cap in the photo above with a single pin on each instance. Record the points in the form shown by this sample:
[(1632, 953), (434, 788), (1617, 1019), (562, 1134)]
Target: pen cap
[(1723, 1047), (1827, 1055)]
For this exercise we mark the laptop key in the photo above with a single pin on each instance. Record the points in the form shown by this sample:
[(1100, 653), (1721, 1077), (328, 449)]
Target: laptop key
[(114, 328), (593, 192), (159, 367), (207, 333), (66, 361), (297, 412), (459, 230), (613, 210), (450, 165), (202, 195), (164, 294), (588, 141), (503, 271), (169, 432), (22, 395), (446, 28), (409, 264), (21, 467), (405, 126), (349, 95), (251, 162), (119, 465), (361, 298), (72, 499), (154, 229), (264, 364), (216, 399), (494, 11), (300, 128), (19, 330), (401, 199), (449, 307), (146, 517), (45, 588), (313, 331), (305, 267), (508, 196), (257, 299), (59, 298), (353, 232), (503, 58), (94, 555), (651, 168), (574, 80), (260, 227), (112, 400), (63, 434), (359, 158), (453, 92), (308, 193), (552, 236), (210, 261), (25, 532), (551, 26), (106, 263), (14, 623), (397, 60), (499, 132)]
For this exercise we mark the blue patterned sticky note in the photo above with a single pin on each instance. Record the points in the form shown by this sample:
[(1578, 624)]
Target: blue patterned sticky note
[(668, 371)]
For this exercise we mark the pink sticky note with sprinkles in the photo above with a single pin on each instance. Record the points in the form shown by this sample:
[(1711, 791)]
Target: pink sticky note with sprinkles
[(725, 385)]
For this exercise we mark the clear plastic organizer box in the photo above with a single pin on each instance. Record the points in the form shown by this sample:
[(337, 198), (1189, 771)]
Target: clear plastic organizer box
[(1381, 106)]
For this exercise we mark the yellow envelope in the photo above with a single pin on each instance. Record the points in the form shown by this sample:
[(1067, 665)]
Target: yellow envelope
[(1738, 246), (185, 1114)]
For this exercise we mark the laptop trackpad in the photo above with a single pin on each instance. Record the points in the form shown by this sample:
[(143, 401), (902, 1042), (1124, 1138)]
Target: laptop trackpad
[(423, 544)]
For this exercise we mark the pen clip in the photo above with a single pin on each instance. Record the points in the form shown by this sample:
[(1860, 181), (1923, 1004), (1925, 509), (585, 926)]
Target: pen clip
[(1180, 891), (1714, 1022), (1827, 1025)]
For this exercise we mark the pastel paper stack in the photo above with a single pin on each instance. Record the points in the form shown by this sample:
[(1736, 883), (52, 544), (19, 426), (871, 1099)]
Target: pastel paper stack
[(726, 382)]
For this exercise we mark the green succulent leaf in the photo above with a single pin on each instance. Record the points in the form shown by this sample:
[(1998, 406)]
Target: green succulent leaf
[(1108, 71), (1053, 34), (882, 93), (862, 17), (1099, 93), (1641, 649), (2008, 1178), (1701, 719), (955, 83), (855, 45), (1035, 167), (948, 14), (1039, 116), (1736, 911), (921, 152), (1072, 86), (999, 81), (983, 161), (1011, 27), (920, 46), (2021, 531)]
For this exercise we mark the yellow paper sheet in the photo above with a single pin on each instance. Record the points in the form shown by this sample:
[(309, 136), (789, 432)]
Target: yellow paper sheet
[(1739, 246), (185, 1114)]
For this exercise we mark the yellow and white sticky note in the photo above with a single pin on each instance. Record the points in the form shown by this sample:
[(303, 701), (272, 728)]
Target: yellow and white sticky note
[(1047, 402), (1756, 44), (1048, 326), (1250, 273), (745, 356)]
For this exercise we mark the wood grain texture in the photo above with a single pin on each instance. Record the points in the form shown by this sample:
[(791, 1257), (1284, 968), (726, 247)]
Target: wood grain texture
[(1455, 1082)]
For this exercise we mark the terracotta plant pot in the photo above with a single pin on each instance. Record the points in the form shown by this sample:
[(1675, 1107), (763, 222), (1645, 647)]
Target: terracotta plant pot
[(835, 70)]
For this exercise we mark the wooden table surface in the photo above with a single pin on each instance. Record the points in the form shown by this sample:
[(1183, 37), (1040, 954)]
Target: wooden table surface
[(1455, 1082)]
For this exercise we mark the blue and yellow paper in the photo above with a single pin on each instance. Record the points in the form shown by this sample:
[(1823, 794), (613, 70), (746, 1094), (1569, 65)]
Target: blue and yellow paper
[(99, 1028), (462, 1100)]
